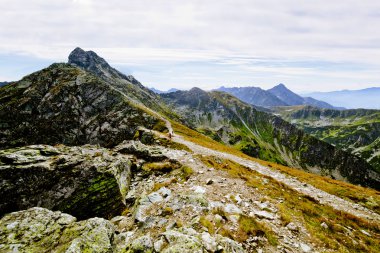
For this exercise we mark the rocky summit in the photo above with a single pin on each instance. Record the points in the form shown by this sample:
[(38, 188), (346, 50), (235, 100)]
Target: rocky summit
[(93, 161)]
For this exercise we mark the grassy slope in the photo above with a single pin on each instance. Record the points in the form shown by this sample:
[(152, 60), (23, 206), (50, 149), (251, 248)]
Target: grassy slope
[(365, 196)]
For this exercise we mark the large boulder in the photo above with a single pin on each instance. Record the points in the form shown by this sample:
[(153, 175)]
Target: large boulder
[(41, 230), (85, 181)]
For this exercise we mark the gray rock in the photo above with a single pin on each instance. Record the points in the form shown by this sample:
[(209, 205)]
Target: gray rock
[(263, 215), (324, 225), (365, 232), (232, 209), (305, 248), (154, 197), (165, 192), (148, 153), (85, 181), (292, 227), (198, 189), (41, 230), (158, 245), (142, 244), (208, 242), (179, 241)]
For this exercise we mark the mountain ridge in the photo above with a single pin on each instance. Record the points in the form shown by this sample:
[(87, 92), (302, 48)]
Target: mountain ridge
[(279, 95), (363, 98)]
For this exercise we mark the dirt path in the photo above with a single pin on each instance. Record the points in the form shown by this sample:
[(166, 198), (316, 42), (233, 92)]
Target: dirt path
[(309, 190)]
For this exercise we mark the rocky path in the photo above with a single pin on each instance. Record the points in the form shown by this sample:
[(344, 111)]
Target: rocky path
[(292, 182)]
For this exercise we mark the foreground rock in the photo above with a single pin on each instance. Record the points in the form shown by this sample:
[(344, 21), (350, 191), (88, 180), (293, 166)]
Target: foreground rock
[(84, 181), (41, 230)]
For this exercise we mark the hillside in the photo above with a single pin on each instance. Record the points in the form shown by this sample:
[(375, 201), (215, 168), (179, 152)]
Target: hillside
[(259, 134), (87, 165), (355, 130)]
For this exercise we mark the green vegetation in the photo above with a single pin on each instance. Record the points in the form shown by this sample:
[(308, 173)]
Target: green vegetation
[(249, 226), (186, 172), (163, 167), (355, 130)]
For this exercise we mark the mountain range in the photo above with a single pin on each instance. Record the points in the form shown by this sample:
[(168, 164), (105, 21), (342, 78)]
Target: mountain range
[(93, 161), (279, 95), (365, 98), (160, 91)]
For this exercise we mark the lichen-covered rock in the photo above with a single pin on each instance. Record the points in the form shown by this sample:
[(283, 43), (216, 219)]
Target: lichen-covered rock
[(188, 240), (148, 153), (84, 181), (41, 230)]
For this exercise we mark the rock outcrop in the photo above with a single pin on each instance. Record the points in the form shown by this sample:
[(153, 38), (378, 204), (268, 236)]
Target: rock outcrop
[(84, 181), (40, 230)]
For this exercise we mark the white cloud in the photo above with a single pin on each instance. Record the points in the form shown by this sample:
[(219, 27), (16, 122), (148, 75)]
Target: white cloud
[(264, 39)]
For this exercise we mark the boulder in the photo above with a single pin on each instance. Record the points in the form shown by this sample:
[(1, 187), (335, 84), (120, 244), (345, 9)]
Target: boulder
[(148, 153), (41, 230), (83, 181)]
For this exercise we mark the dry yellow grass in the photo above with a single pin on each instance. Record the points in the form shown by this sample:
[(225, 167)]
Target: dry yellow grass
[(301, 208)]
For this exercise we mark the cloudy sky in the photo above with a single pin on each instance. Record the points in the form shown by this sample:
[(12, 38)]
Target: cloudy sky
[(308, 45)]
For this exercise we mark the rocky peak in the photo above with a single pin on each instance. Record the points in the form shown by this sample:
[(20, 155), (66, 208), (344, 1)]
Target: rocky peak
[(85, 59), (90, 61), (280, 88)]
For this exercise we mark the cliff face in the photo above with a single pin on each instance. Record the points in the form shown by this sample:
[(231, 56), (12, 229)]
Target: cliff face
[(265, 136)]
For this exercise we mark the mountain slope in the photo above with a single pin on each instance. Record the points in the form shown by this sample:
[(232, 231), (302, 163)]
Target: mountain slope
[(365, 98), (259, 134), (355, 130), (64, 104)]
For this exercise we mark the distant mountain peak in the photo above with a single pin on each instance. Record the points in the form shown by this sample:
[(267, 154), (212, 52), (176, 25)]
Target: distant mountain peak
[(281, 85), (280, 88)]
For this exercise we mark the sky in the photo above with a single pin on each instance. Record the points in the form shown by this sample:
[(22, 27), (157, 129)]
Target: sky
[(309, 46)]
